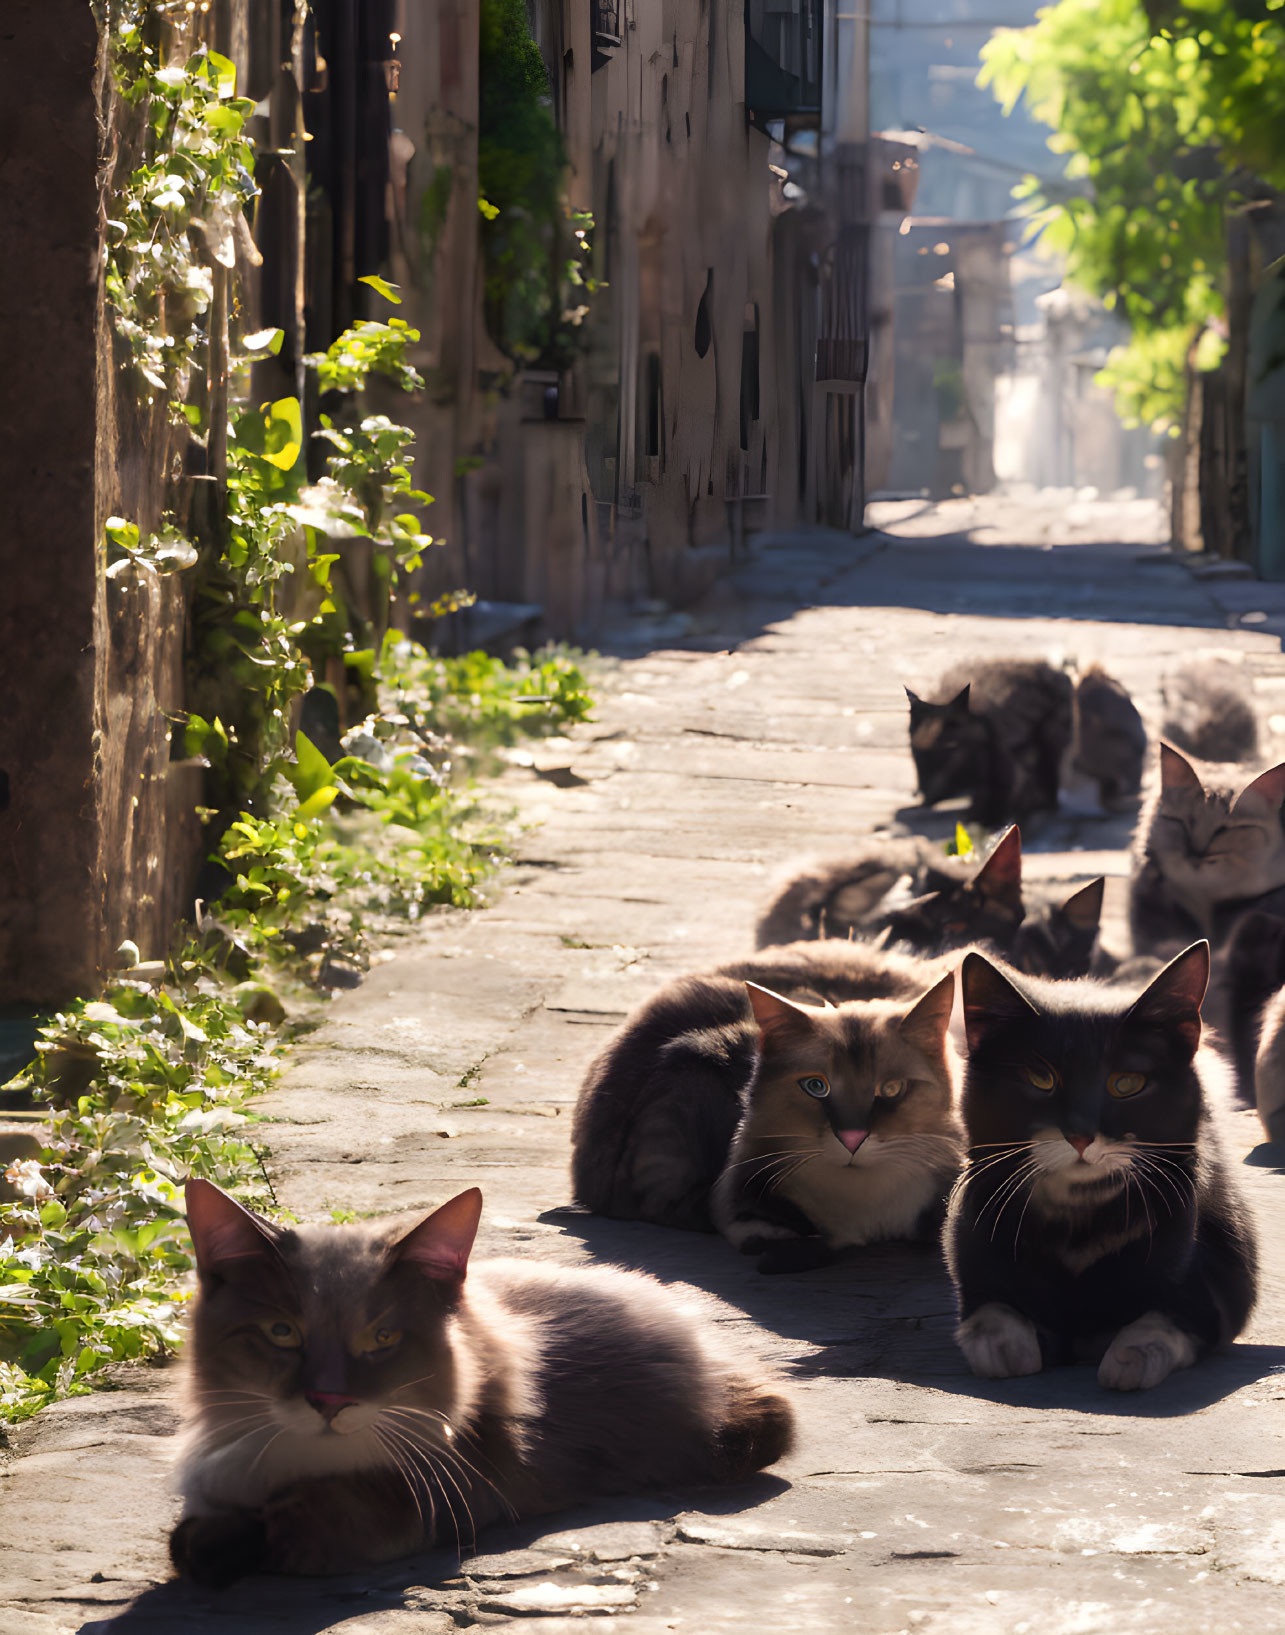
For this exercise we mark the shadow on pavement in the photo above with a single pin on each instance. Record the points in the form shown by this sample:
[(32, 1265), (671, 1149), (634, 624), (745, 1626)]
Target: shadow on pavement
[(888, 1312), (308, 1606)]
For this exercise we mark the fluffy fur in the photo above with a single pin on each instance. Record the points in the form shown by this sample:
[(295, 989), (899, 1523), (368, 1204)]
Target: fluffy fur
[(1110, 743), (1208, 715), (909, 896), (660, 1108), (996, 731), (1096, 1219), (848, 1135), (1210, 846), (356, 1394)]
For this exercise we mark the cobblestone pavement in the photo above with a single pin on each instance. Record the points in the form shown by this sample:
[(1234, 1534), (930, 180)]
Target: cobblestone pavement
[(769, 723)]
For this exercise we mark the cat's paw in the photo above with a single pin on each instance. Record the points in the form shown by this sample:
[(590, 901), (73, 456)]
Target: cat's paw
[(752, 1236), (999, 1343), (1144, 1353), (217, 1550)]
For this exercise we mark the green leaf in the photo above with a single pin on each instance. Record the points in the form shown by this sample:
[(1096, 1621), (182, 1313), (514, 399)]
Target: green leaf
[(317, 804), (122, 532), (381, 286), (963, 841), (224, 74), (264, 340), (311, 771), (283, 433)]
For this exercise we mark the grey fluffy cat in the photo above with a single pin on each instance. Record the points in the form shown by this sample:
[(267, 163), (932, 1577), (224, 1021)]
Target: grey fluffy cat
[(360, 1393), (1208, 715), (1208, 848)]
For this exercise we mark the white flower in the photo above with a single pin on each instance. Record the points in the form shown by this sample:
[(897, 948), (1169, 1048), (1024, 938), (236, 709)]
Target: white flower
[(28, 1179)]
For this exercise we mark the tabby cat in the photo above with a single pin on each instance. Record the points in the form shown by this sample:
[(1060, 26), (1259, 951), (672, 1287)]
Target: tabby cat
[(996, 733), (848, 1135), (1206, 851), (660, 1108), (1096, 1219), (956, 905), (354, 1396), (1208, 715)]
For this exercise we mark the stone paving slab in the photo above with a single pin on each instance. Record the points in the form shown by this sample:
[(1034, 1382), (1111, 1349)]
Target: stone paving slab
[(919, 1499)]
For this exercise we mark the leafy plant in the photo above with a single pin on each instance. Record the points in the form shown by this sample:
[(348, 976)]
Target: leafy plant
[(1164, 129)]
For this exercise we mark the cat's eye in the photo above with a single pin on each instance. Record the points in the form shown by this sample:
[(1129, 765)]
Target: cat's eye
[(283, 1333), (1040, 1075), (1122, 1085), (816, 1086), (377, 1337), (892, 1087)]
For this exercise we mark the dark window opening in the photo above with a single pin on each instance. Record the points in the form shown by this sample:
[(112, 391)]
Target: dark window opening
[(749, 379), (4, 791), (652, 419), (704, 324)]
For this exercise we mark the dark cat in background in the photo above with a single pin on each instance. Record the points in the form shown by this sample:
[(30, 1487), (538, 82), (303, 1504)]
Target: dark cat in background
[(905, 891), (661, 1107), (1208, 715), (1096, 1220), (1110, 742), (955, 903), (1209, 847), (996, 730), (360, 1393)]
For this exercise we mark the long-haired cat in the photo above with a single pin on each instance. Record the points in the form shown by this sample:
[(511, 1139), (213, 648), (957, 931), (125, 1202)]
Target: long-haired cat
[(996, 732), (955, 904), (660, 1108), (1207, 847), (1096, 1219), (360, 1393), (848, 1135), (1207, 713), (1110, 741), (907, 889)]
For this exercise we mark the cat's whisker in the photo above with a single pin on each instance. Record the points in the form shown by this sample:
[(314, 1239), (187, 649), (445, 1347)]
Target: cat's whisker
[(423, 1378), (453, 1450), (395, 1460)]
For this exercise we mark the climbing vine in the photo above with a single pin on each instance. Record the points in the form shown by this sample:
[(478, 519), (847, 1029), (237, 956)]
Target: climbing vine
[(290, 579)]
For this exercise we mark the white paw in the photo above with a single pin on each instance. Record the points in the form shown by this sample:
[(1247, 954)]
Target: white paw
[(999, 1343), (749, 1236), (1144, 1353)]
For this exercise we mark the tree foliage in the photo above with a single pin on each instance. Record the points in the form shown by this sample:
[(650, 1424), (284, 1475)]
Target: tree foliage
[(1166, 124)]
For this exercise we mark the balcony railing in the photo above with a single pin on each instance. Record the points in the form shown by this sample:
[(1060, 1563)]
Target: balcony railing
[(607, 23), (783, 59)]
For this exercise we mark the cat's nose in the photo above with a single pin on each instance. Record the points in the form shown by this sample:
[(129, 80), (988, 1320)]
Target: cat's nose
[(328, 1403), (852, 1139), (1080, 1142)]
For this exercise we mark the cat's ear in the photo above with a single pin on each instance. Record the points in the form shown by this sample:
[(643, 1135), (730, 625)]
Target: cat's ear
[(990, 1000), (926, 1024), (224, 1230), (1083, 908), (439, 1246), (1176, 771), (916, 703), (1001, 874), (1269, 787), (774, 1014), (442, 1241), (959, 704), (1172, 1002)]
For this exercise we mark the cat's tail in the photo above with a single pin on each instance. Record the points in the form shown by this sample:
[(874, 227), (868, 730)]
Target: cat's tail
[(757, 1429)]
